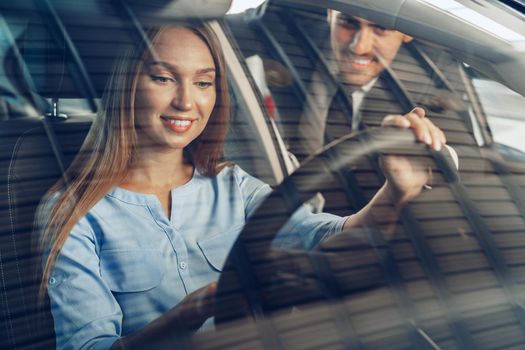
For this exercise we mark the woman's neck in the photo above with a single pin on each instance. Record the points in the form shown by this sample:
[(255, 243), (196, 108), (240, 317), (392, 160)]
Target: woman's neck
[(154, 171)]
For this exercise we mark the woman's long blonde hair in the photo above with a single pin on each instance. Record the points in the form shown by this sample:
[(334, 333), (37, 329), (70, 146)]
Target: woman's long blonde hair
[(106, 153)]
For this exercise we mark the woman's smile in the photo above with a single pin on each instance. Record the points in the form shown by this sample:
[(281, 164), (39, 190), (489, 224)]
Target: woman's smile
[(178, 124)]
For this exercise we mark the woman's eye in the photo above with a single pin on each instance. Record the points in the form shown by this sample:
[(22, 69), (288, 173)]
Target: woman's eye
[(161, 79), (204, 84)]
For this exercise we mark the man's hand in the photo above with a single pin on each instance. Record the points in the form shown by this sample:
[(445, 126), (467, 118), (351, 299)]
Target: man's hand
[(406, 178), (422, 127)]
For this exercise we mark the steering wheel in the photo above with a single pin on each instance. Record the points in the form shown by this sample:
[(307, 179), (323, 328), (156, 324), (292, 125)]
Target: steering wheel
[(259, 280)]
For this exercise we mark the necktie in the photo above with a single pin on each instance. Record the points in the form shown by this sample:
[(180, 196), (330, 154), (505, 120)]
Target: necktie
[(339, 119)]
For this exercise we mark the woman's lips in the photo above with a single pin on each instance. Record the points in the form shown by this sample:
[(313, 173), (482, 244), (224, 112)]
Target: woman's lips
[(178, 125)]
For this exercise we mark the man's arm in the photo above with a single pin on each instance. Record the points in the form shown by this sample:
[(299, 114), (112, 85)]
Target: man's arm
[(404, 179)]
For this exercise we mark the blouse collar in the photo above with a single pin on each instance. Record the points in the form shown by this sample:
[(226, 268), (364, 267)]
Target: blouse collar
[(139, 198)]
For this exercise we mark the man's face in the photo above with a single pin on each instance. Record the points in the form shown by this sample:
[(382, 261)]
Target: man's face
[(362, 48)]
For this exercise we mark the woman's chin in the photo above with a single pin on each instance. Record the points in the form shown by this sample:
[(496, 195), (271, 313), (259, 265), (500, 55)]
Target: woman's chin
[(166, 144), (177, 145)]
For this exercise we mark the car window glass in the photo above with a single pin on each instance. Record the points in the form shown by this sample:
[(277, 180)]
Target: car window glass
[(450, 275), (504, 109)]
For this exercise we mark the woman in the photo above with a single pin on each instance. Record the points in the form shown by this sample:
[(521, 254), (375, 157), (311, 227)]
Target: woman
[(135, 241)]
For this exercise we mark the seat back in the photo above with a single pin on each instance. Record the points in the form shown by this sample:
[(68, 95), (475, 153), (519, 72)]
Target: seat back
[(28, 168)]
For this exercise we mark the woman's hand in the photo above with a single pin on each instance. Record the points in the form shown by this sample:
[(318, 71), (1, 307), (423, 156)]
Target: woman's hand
[(406, 178), (196, 307), (176, 326)]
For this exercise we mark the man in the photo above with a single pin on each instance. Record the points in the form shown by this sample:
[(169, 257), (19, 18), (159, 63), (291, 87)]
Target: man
[(360, 50)]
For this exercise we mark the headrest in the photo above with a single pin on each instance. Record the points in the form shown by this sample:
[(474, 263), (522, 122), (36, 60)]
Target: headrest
[(96, 32)]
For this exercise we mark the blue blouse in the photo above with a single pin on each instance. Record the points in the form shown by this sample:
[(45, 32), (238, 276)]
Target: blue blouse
[(125, 263)]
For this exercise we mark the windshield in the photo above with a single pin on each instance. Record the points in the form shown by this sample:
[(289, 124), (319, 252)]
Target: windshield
[(301, 96)]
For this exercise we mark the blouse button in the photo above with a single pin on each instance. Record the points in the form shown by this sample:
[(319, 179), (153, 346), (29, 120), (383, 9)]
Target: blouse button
[(183, 265), (52, 280)]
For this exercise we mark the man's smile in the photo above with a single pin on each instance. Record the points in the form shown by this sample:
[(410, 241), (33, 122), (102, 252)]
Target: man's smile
[(358, 62)]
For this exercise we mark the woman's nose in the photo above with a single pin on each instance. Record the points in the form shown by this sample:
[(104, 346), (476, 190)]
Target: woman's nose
[(363, 41), (183, 98)]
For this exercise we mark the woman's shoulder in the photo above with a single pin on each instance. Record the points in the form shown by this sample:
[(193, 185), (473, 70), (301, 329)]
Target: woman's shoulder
[(230, 170), (54, 202), (51, 200), (249, 185)]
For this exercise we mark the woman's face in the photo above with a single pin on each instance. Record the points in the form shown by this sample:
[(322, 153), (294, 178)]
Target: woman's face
[(176, 90)]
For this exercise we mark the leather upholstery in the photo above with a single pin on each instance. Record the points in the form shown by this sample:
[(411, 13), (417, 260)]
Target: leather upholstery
[(28, 168)]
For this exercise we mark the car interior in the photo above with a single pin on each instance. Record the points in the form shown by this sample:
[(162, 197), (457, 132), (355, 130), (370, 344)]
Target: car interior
[(452, 277), (441, 255)]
